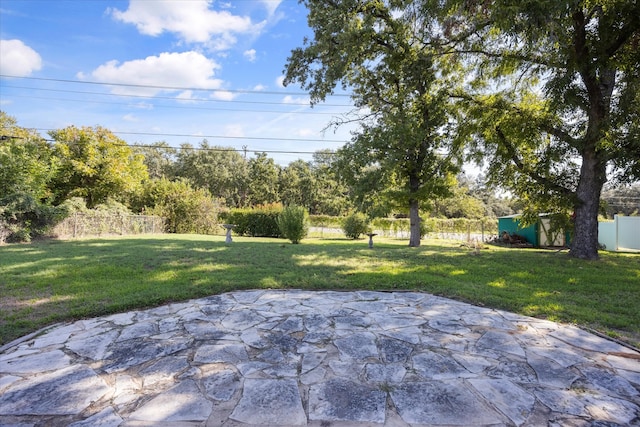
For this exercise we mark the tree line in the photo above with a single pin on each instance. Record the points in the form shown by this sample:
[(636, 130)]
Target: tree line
[(83, 168)]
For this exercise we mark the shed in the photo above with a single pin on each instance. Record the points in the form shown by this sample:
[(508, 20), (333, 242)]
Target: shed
[(537, 234)]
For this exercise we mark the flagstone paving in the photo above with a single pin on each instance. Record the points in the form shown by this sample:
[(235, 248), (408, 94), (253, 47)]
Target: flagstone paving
[(301, 358)]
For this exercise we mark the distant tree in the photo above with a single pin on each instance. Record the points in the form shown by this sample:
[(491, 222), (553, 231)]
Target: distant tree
[(26, 161), (621, 200), (95, 164), (159, 159), (332, 192), (222, 171), (263, 175), (297, 185)]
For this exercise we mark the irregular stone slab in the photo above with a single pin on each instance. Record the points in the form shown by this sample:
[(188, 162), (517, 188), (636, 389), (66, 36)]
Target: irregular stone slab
[(311, 361), (241, 320), (449, 324), (221, 353), (351, 322), (583, 339), (35, 362), (275, 402), (56, 336), (67, 391), (358, 346), (126, 389), (410, 335), (7, 380), (495, 341), (313, 377), (252, 338), (184, 402), (342, 400), (609, 382), (436, 366), (393, 351), (439, 402), (204, 331), (164, 370), (515, 371), (612, 410), (246, 297), (379, 373), (563, 401), (138, 330), (130, 353), (510, 399), (95, 347), (346, 369), (316, 323), (291, 325), (551, 373), (564, 356), (105, 418), (474, 363), (220, 385), (368, 306), (391, 322)]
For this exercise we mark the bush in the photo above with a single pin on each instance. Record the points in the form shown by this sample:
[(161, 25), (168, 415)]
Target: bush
[(355, 224), (184, 208), (293, 223), (23, 217), (261, 221)]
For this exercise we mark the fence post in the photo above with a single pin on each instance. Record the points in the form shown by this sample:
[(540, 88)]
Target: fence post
[(75, 224)]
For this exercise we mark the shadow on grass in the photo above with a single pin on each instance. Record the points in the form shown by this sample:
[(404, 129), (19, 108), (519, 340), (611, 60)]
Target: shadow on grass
[(54, 281)]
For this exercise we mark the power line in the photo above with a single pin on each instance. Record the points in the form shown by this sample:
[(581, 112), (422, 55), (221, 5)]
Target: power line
[(259, 138), (172, 98), (141, 86), (182, 107)]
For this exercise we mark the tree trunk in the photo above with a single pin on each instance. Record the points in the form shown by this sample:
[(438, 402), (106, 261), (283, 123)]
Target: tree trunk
[(584, 242), (414, 220)]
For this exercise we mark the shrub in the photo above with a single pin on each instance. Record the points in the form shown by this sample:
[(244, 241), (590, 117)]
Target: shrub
[(185, 209), (355, 224), (293, 223), (261, 221), (23, 217)]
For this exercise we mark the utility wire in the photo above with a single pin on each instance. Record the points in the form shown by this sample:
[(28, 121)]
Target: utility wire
[(259, 138), (173, 98), (88, 82), (181, 107)]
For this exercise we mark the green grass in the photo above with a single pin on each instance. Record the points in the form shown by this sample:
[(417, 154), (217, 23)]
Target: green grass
[(54, 281)]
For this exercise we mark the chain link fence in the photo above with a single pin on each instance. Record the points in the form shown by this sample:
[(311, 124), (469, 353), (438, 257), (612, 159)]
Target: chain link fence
[(94, 224)]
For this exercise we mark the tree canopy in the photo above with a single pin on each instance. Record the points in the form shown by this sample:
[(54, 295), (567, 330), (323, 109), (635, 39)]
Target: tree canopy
[(95, 164), (554, 94), (381, 53)]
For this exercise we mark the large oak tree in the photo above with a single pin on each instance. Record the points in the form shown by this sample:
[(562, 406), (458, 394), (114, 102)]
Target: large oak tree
[(381, 52), (555, 94)]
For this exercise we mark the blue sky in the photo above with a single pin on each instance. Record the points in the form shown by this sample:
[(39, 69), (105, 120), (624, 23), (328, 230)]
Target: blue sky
[(164, 70)]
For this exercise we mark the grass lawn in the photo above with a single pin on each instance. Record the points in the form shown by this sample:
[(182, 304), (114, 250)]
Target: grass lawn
[(55, 281)]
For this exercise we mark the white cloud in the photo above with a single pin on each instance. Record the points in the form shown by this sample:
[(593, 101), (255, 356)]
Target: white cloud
[(223, 95), (250, 54), (163, 72), (280, 81), (297, 101), (18, 59), (192, 21), (271, 5)]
